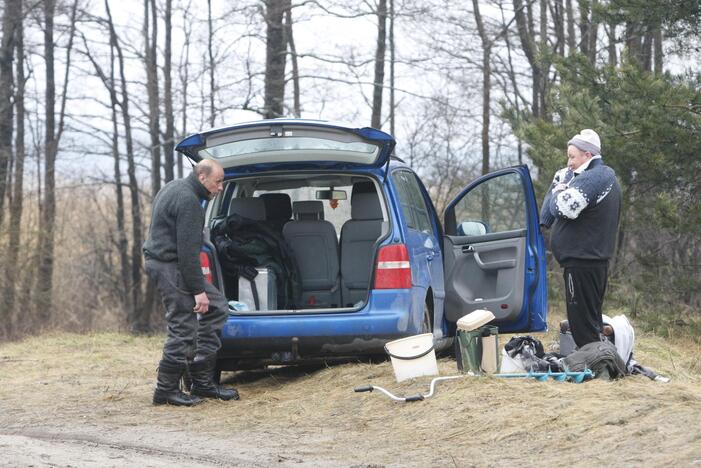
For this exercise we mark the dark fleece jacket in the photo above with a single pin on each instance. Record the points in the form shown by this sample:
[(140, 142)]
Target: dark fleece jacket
[(176, 229)]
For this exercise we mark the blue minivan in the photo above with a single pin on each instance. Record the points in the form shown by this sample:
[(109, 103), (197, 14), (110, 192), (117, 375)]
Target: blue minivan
[(373, 261)]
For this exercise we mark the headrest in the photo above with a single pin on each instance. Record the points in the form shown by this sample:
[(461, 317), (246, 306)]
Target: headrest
[(363, 187), (365, 206), (277, 206), (312, 210), (251, 208)]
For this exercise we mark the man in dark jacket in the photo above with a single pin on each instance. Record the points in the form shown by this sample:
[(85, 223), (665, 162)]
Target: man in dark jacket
[(195, 309), (583, 206)]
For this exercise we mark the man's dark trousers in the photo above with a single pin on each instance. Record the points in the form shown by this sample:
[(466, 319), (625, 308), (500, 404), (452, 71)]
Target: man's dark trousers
[(585, 285), (187, 335)]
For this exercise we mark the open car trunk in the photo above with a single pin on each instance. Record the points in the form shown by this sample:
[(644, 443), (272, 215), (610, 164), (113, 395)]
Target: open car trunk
[(289, 243)]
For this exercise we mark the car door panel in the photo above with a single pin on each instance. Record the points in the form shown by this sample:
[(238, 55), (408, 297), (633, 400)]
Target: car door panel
[(494, 252), (493, 268)]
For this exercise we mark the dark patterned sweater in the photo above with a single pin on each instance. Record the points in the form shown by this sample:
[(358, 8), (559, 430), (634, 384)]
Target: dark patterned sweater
[(176, 229), (584, 216)]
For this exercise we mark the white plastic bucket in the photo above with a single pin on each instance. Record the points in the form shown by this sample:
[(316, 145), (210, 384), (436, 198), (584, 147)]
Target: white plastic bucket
[(412, 356)]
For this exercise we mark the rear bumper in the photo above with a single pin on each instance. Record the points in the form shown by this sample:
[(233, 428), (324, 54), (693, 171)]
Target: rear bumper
[(298, 337)]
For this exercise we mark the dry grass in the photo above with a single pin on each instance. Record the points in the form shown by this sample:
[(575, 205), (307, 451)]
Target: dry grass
[(100, 386)]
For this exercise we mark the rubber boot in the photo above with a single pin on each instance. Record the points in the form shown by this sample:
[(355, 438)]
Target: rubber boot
[(168, 386), (202, 375)]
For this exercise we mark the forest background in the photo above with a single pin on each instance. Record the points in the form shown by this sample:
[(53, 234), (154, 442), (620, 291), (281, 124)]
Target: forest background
[(94, 95)]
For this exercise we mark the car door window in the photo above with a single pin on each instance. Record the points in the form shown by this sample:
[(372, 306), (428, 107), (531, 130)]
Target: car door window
[(496, 205), (412, 202)]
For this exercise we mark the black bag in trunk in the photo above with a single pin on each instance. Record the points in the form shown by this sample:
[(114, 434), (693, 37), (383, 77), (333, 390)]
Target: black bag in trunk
[(243, 243)]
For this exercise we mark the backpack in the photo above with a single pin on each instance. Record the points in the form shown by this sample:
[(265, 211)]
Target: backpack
[(601, 357)]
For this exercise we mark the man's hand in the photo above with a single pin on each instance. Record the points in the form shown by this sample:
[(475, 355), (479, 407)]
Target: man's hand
[(201, 303), (559, 188)]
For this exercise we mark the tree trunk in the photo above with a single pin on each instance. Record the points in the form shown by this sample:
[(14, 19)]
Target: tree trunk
[(571, 35), (647, 51), (151, 59), (9, 22), (212, 64), (48, 206), (143, 325), (134, 316), (275, 58), (392, 62), (544, 65), (528, 46), (184, 80), (379, 80), (15, 223), (658, 51), (634, 42), (611, 32), (169, 144), (47, 219), (122, 241), (559, 21), (297, 109), (584, 27), (486, 85), (593, 33)]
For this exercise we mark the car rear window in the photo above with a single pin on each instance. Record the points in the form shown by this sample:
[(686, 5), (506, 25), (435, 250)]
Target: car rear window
[(289, 149)]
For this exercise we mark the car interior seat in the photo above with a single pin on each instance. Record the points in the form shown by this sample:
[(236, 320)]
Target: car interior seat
[(251, 208), (315, 246), (358, 237), (278, 209)]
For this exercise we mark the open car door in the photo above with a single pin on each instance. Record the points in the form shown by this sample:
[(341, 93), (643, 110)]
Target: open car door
[(494, 252)]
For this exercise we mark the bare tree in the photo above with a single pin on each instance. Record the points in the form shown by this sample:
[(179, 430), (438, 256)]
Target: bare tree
[(169, 143), (297, 108), (392, 63), (15, 10), (558, 13), (486, 84), (379, 79), (121, 242), (9, 24), (526, 34), (212, 65), (184, 74), (44, 284), (151, 64), (275, 58), (135, 314)]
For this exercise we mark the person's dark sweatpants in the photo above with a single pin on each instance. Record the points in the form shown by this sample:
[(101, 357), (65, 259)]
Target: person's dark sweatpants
[(189, 334), (585, 285)]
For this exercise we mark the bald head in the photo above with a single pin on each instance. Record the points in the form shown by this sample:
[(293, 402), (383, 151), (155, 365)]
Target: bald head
[(210, 174), (206, 167)]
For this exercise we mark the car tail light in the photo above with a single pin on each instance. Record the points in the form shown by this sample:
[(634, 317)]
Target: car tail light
[(393, 270), (205, 264)]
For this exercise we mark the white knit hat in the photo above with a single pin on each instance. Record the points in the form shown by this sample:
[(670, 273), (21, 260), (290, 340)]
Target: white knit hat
[(587, 140)]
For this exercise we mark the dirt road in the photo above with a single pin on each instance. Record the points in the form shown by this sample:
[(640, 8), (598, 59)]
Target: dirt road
[(69, 400)]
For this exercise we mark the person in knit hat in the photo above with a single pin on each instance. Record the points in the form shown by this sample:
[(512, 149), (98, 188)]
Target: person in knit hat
[(582, 209)]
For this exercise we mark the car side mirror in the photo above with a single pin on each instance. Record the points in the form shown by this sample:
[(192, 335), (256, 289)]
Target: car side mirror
[(472, 228)]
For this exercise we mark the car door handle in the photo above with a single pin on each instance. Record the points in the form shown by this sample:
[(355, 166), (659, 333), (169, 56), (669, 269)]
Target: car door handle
[(468, 249), (497, 265)]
